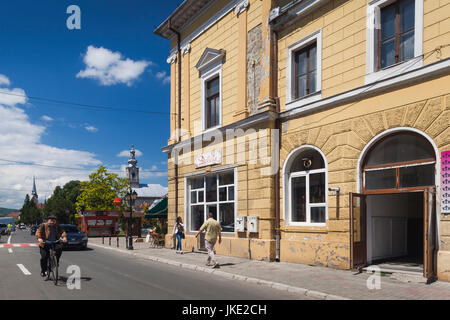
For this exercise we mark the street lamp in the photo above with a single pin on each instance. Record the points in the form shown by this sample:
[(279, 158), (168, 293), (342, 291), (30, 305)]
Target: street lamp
[(131, 197)]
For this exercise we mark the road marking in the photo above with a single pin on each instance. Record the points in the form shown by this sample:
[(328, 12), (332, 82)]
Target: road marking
[(9, 241), (24, 270), (19, 245)]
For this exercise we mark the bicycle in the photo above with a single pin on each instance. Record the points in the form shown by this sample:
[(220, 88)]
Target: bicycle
[(52, 263)]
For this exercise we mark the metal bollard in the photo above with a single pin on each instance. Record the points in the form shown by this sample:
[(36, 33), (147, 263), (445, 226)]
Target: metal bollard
[(103, 238), (117, 241), (109, 239)]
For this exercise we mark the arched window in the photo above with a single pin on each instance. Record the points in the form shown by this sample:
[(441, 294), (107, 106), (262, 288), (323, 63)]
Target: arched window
[(399, 162), (306, 199)]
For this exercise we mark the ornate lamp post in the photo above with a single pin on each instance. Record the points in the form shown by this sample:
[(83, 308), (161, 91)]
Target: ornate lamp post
[(131, 197)]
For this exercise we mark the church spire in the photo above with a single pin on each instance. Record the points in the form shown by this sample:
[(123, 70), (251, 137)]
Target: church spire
[(132, 169), (34, 195)]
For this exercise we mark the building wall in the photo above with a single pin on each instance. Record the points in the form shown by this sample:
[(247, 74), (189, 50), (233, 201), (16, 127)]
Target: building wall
[(341, 134), (255, 195), (343, 24)]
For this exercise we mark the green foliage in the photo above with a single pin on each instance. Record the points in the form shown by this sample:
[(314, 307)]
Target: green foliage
[(29, 213), (100, 191), (62, 203)]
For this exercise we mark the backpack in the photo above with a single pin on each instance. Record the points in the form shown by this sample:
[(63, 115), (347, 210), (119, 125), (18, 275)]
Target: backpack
[(180, 228)]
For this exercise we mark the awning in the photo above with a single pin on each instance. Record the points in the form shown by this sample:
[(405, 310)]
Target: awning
[(158, 211)]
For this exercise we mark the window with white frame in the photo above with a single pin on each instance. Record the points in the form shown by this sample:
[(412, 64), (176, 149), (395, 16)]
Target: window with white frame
[(307, 189), (394, 34), (304, 70), (210, 68), (213, 193)]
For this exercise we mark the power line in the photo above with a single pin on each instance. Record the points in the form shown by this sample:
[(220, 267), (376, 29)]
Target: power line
[(83, 105), (69, 168)]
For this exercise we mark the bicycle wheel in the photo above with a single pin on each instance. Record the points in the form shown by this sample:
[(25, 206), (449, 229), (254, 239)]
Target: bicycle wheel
[(55, 273)]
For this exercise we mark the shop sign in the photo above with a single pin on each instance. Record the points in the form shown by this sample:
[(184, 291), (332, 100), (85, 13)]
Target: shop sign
[(208, 158), (445, 178), (91, 222), (100, 222)]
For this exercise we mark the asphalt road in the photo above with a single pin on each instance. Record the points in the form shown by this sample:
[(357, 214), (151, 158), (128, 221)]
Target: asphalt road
[(107, 275)]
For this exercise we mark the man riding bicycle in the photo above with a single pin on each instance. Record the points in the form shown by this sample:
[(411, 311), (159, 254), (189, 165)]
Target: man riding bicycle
[(50, 231)]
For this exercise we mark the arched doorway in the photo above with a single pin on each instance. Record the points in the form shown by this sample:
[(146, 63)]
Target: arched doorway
[(394, 216)]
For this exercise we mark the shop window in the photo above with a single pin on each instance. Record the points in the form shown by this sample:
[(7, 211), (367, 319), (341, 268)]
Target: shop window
[(213, 193), (307, 189), (399, 161)]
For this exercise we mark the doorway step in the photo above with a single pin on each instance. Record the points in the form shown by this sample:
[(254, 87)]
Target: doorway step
[(401, 272)]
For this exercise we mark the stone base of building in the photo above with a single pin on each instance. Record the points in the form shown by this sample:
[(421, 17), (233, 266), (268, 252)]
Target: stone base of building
[(255, 249), (443, 265), (326, 254)]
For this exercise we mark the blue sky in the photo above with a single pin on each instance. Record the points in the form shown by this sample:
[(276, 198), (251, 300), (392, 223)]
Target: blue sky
[(114, 60)]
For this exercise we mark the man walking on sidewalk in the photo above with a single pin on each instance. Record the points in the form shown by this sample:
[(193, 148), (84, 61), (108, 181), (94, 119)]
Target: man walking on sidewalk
[(213, 230)]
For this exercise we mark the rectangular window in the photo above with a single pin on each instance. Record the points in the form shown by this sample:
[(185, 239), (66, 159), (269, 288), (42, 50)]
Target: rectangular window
[(213, 193), (212, 103), (396, 36), (305, 73)]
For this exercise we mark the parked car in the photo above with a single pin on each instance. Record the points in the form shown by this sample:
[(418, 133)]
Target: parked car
[(75, 238), (3, 229), (33, 229), (22, 226)]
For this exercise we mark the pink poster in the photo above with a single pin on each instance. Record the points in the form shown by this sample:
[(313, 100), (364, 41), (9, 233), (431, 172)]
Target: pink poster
[(445, 178)]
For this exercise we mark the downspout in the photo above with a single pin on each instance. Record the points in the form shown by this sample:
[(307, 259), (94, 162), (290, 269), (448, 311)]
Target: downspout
[(178, 126), (277, 127)]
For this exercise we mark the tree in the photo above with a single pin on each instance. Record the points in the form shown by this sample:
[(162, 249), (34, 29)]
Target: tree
[(29, 212), (62, 202), (100, 191)]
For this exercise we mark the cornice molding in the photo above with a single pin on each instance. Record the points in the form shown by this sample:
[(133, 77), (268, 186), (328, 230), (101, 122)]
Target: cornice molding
[(241, 7)]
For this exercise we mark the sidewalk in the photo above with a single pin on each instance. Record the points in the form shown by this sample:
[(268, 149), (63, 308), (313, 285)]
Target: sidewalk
[(313, 281)]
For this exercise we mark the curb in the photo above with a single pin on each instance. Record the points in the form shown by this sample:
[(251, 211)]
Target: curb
[(231, 276)]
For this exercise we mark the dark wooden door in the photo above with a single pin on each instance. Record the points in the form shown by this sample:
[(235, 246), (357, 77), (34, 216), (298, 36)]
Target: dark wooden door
[(429, 223), (358, 232)]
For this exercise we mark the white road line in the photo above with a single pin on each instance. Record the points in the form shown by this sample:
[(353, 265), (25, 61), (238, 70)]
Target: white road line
[(9, 242), (24, 270)]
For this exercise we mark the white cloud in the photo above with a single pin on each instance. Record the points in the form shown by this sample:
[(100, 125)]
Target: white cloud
[(126, 153), (4, 80), (20, 140), (46, 118), (163, 77), (91, 128), (144, 173), (111, 68)]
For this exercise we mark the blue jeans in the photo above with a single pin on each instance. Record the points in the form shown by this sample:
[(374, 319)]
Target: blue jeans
[(179, 241)]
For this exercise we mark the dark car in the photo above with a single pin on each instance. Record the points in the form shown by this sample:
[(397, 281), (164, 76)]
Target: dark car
[(3, 229), (33, 230), (75, 238)]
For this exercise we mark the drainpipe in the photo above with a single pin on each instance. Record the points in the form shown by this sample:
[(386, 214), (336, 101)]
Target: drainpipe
[(178, 126), (277, 127)]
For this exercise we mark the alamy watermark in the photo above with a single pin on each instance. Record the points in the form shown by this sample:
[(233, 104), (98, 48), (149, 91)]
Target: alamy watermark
[(74, 280), (229, 147), (74, 20)]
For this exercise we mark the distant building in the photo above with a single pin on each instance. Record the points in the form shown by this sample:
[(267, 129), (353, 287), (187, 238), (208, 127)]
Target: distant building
[(35, 197), (146, 192), (15, 215)]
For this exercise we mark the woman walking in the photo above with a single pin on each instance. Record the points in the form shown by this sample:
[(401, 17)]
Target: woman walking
[(178, 231)]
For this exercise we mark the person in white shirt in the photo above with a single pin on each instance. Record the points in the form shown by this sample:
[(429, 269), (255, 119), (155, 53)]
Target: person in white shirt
[(178, 231)]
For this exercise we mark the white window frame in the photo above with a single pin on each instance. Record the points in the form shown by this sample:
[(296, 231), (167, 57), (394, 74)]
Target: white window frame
[(207, 75), (205, 204), (373, 20), (287, 185), (291, 102)]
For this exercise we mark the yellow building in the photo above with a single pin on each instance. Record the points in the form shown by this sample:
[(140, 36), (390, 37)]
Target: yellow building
[(292, 118)]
